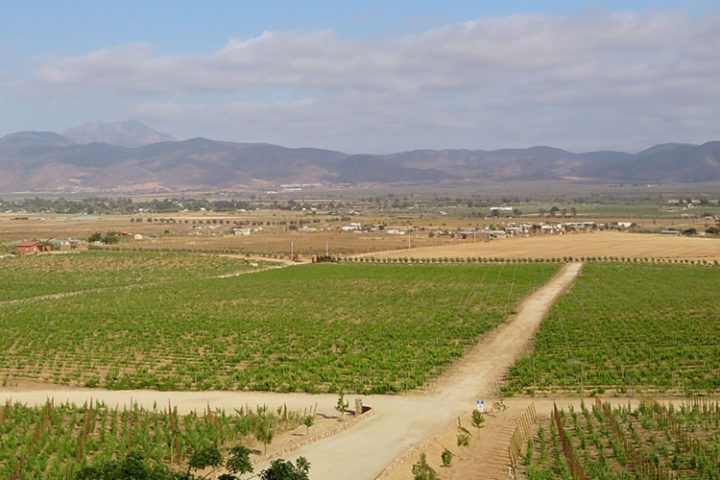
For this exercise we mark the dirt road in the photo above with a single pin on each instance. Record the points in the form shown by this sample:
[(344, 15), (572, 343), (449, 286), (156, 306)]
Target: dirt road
[(400, 421)]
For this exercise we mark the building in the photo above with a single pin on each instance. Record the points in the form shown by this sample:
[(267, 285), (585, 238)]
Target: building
[(67, 244), (243, 231), (354, 226), (552, 229), (497, 234), (24, 248)]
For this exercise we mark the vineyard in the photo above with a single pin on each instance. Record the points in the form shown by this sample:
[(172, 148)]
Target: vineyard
[(629, 327), (652, 440), (53, 441), (356, 327), (34, 275)]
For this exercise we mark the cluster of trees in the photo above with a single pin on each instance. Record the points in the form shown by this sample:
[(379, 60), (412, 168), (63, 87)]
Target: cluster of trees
[(121, 205), (61, 205), (110, 238), (135, 466)]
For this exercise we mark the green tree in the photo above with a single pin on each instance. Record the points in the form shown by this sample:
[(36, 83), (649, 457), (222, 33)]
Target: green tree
[(446, 457), (110, 238), (341, 403), (285, 470), (134, 466), (422, 470), (239, 460), (204, 457), (95, 237), (308, 422), (265, 428), (478, 420)]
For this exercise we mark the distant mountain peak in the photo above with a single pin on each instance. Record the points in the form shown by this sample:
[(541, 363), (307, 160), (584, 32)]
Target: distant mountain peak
[(128, 133)]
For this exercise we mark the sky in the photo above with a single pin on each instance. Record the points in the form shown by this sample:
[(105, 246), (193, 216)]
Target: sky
[(371, 76)]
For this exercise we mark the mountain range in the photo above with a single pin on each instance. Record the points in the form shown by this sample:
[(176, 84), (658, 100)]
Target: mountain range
[(128, 156)]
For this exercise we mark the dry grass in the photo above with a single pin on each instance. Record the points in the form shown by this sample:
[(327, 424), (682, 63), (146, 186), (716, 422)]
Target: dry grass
[(611, 244)]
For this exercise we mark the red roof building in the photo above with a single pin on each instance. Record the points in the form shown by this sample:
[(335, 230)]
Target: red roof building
[(24, 248)]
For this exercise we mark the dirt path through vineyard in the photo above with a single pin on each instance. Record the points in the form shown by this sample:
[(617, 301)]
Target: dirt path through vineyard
[(399, 422)]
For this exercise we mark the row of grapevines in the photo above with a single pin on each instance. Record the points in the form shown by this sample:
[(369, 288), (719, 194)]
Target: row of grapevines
[(53, 441), (651, 327), (33, 275), (362, 328), (651, 440)]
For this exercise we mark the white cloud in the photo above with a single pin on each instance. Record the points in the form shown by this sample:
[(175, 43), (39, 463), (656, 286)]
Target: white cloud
[(471, 55), (492, 80)]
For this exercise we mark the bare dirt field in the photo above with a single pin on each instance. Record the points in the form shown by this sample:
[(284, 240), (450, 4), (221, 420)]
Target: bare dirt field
[(398, 423), (611, 244)]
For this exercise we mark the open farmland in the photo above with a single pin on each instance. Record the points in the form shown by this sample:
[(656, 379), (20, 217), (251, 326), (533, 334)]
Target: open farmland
[(577, 245), (35, 275), (213, 232), (650, 440), (363, 328), (629, 327)]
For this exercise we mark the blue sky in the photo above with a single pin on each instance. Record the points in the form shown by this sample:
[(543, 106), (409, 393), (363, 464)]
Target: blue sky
[(369, 76)]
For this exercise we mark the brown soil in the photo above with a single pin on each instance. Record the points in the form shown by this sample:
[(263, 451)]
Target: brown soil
[(597, 244)]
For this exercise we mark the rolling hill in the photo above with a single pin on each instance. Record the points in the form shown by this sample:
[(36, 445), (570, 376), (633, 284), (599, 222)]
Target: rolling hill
[(47, 161)]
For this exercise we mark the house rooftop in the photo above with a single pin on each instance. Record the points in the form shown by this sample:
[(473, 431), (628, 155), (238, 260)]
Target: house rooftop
[(28, 244)]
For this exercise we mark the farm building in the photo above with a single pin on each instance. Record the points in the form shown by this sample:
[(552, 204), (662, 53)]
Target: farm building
[(552, 229), (497, 234), (24, 248), (354, 226), (67, 244), (242, 231)]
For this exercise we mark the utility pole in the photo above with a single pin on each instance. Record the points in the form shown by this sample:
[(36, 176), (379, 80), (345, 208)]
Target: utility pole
[(327, 248), (292, 250)]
